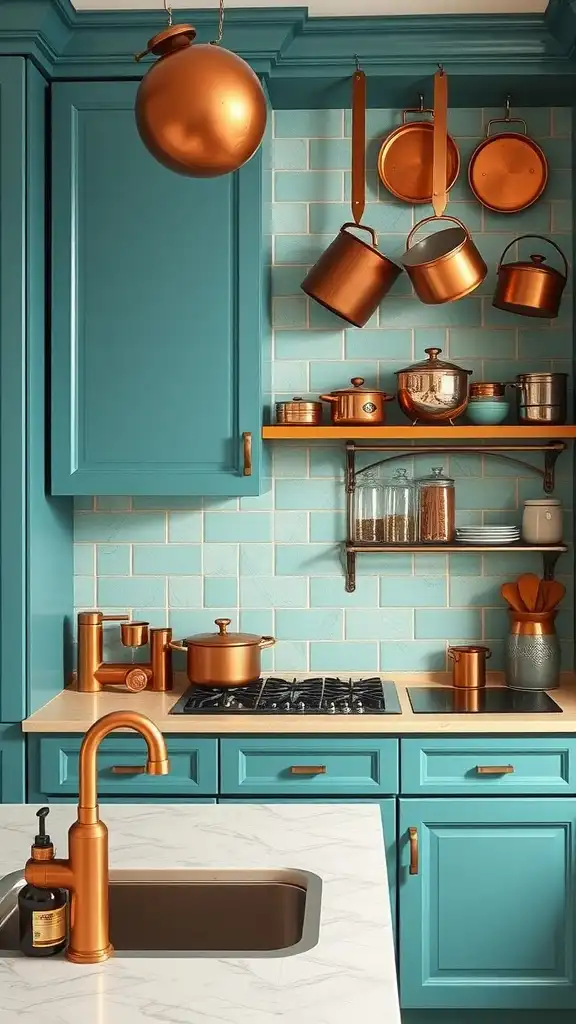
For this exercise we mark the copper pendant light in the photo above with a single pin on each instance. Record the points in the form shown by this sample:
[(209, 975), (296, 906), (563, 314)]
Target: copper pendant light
[(200, 109)]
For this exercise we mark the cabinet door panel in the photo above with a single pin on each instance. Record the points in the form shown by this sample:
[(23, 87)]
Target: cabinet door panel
[(11, 765), (157, 310), (489, 919)]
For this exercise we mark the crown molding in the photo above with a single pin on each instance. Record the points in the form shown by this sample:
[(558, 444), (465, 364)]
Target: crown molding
[(307, 61)]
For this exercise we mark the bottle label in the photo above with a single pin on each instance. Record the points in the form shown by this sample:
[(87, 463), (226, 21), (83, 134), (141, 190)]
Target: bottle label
[(48, 927)]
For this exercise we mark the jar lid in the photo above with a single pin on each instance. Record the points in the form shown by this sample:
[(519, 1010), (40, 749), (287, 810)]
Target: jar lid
[(400, 478), (223, 638), (433, 363), (543, 501), (436, 478), (357, 383)]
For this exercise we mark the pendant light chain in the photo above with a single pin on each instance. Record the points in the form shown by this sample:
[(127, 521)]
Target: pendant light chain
[(168, 9), (220, 24)]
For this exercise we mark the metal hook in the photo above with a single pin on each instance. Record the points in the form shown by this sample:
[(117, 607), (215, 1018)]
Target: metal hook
[(168, 9), (440, 68), (357, 62), (507, 118), (420, 101)]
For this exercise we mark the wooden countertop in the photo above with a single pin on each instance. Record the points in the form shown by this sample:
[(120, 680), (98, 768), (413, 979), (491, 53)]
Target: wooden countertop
[(75, 712)]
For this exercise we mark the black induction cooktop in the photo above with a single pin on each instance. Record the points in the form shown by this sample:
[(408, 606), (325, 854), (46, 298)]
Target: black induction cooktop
[(491, 700)]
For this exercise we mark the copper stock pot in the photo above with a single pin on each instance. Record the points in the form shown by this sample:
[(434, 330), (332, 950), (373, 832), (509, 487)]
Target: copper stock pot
[(223, 659), (357, 406)]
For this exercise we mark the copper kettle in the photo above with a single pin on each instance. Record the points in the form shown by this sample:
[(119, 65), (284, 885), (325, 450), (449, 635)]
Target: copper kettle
[(530, 288), (200, 109)]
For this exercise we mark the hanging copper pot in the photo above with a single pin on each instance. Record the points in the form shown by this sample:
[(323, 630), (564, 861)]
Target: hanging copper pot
[(200, 109), (530, 288)]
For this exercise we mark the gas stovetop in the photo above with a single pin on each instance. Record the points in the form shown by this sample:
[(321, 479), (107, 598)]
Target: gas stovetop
[(274, 696)]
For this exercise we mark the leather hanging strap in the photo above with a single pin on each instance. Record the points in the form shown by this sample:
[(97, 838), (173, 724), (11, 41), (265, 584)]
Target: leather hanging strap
[(439, 195), (358, 145)]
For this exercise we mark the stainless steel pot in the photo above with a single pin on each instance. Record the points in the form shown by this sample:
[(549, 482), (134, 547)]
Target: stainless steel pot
[(433, 390), (223, 659), (541, 397)]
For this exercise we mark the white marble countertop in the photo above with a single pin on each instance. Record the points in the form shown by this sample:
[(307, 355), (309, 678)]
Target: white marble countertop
[(348, 975), (71, 711)]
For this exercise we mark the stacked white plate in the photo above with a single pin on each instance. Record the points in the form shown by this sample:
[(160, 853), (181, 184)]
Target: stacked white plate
[(488, 534)]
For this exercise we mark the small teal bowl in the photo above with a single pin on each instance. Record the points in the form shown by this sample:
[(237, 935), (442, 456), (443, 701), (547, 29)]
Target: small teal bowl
[(486, 413)]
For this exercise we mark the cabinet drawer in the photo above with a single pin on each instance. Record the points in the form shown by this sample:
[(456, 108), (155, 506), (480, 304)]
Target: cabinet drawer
[(193, 767), (470, 766), (302, 766)]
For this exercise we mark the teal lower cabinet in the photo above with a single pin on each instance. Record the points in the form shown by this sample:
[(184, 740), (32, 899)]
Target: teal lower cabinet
[(11, 765), (487, 901), (53, 768)]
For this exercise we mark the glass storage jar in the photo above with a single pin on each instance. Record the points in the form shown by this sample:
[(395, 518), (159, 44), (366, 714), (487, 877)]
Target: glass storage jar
[(368, 509), (437, 508), (400, 509)]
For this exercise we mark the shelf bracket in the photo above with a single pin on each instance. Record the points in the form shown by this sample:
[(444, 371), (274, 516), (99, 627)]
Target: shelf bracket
[(350, 572), (549, 560), (550, 458)]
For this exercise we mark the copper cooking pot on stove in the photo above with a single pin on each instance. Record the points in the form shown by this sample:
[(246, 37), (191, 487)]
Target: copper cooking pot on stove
[(223, 659), (357, 406)]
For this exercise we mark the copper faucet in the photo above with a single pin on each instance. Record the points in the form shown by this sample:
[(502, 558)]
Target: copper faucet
[(94, 673), (85, 873)]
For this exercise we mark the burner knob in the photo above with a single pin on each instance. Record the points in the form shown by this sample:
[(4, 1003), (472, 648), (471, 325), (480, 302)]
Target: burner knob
[(229, 702), (345, 708), (301, 705), (359, 707), (331, 708), (286, 706)]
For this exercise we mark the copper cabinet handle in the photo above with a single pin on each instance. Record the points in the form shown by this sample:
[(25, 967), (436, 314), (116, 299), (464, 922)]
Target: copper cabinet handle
[(308, 769), (128, 769), (414, 860), (495, 769), (247, 443)]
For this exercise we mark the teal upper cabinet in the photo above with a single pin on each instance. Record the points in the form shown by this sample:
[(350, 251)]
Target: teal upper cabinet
[(488, 916), (157, 311)]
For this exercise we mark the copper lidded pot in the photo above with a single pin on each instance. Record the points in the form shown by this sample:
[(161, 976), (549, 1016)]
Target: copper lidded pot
[(352, 276), (527, 287), (357, 406), (300, 411), (469, 665), (223, 659)]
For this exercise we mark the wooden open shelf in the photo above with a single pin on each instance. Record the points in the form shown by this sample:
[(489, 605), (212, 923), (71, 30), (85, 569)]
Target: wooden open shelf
[(409, 433)]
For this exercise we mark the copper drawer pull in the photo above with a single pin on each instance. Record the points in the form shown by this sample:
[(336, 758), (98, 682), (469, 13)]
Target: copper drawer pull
[(247, 443), (308, 769), (495, 769), (413, 839), (128, 769)]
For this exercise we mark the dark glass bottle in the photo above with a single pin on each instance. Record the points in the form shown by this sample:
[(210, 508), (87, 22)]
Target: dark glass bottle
[(43, 912)]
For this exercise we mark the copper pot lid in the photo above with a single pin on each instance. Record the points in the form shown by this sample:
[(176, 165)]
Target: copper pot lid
[(357, 388), (223, 638), (301, 402), (469, 649), (536, 263), (433, 363)]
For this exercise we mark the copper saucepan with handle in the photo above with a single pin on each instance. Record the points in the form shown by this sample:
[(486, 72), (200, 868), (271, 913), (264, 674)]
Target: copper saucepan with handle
[(223, 659)]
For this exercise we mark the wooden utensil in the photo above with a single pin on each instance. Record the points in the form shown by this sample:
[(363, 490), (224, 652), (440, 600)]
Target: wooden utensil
[(510, 594), (528, 587), (552, 593)]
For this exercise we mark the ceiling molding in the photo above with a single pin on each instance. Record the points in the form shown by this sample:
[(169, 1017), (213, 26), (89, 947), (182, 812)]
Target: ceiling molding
[(308, 60)]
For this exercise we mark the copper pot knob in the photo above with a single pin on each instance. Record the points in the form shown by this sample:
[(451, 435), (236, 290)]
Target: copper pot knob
[(136, 680), (200, 109), (222, 625), (357, 381)]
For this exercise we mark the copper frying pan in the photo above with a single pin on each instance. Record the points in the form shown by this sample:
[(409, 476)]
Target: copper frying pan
[(507, 172), (405, 158)]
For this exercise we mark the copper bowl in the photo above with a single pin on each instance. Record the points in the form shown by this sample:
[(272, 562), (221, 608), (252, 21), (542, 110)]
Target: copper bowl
[(488, 389)]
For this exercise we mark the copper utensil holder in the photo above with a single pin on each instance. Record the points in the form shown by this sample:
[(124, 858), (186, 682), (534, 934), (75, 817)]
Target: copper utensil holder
[(469, 666)]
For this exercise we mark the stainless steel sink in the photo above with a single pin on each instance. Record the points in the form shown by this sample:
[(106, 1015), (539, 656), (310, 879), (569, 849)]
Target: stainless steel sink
[(197, 913)]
